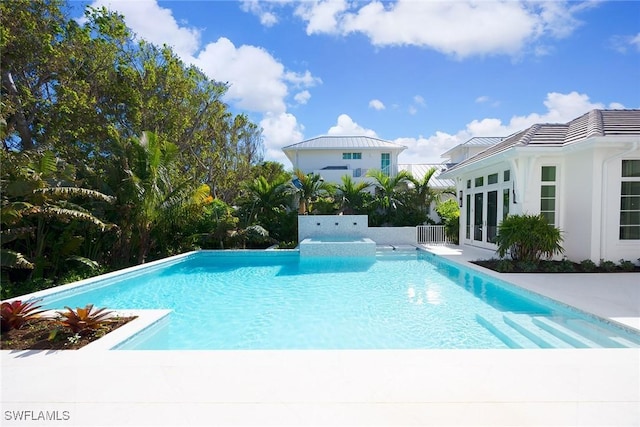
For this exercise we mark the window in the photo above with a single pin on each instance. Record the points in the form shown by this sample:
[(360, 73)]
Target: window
[(492, 179), (479, 181), (346, 156), (468, 183), (630, 200), (349, 156), (548, 194), (507, 176), (505, 203), (357, 156)]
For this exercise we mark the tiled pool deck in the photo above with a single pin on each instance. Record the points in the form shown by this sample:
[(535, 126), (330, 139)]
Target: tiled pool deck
[(583, 387)]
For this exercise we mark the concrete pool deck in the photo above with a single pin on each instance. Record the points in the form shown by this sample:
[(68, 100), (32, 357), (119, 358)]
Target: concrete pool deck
[(583, 387)]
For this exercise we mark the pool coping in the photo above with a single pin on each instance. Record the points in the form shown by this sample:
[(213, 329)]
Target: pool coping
[(581, 387)]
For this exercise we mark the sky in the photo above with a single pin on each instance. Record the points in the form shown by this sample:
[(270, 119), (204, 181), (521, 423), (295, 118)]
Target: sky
[(425, 74)]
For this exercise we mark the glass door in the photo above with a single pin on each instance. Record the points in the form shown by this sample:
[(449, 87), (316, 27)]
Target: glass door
[(492, 216), (478, 216)]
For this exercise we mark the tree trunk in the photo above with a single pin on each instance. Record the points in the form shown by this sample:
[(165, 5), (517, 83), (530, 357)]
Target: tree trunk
[(18, 118)]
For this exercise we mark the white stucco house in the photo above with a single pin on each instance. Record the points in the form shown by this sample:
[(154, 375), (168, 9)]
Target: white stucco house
[(331, 157), (583, 176)]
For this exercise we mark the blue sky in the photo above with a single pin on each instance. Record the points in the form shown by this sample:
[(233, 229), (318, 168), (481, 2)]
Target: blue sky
[(425, 74)]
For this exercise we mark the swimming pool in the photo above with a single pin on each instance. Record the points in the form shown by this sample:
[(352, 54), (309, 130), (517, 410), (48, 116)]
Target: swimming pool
[(278, 300)]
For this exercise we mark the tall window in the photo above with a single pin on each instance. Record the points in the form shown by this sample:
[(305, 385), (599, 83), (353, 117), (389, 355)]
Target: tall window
[(630, 200), (548, 194), (385, 163), (505, 203)]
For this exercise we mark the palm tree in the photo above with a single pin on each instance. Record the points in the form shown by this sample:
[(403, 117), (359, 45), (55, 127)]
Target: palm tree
[(308, 188), (265, 197), (352, 197), (388, 190), (38, 195), (423, 192), (151, 191)]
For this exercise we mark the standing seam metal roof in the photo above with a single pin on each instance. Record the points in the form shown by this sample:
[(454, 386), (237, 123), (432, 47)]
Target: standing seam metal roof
[(343, 142)]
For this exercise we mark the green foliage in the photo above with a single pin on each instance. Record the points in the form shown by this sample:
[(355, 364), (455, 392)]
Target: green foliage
[(607, 266), (627, 265), (84, 320), (449, 211), (528, 238), (588, 266), (16, 314)]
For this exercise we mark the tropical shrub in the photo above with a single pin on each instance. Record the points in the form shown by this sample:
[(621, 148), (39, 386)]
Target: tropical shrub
[(626, 265), (84, 320), (17, 313), (449, 211), (528, 238), (588, 266)]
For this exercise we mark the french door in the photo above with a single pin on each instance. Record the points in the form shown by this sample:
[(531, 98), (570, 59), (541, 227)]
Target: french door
[(482, 216)]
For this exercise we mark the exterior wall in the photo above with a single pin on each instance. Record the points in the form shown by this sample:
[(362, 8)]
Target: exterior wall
[(353, 226), (313, 161), (588, 178)]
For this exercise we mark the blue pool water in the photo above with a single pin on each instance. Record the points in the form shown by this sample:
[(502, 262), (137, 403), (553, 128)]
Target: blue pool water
[(270, 300)]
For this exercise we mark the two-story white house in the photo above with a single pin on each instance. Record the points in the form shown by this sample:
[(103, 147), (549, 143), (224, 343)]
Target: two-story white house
[(331, 157), (583, 176)]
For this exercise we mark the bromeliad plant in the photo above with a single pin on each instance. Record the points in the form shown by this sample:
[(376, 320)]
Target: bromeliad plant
[(84, 320), (17, 313)]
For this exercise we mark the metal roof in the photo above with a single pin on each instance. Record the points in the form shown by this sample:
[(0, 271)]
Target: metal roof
[(418, 171), (476, 141), (592, 124), (329, 142)]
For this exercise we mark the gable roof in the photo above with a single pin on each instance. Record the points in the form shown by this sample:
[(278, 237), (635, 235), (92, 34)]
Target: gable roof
[(329, 142), (592, 124)]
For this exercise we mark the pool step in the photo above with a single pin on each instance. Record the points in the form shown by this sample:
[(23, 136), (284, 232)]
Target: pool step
[(504, 332), (603, 335), (525, 325), (569, 335)]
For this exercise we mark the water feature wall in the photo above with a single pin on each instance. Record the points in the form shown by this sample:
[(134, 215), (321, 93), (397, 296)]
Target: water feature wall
[(353, 226)]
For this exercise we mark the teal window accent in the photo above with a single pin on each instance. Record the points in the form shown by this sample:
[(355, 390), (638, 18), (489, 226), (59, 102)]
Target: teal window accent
[(357, 156), (630, 200), (346, 156), (385, 163)]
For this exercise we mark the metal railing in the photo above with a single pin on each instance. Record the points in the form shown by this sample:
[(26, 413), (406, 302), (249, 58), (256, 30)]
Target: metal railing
[(431, 235)]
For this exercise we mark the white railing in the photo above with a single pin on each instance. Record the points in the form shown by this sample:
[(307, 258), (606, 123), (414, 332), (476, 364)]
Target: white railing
[(431, 235)]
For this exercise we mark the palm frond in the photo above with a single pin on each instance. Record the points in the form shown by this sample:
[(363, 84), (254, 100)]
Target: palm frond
[(13, 259)]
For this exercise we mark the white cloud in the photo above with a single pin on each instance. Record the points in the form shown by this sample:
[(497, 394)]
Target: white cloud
[(623, 44), (458, 28), (346, 126), (482, 99), (267, 17), (321, 15), (560, 108), (302, 97), (155, 24), (376, 104), (418, 100), (262, 92), (279, 130)]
